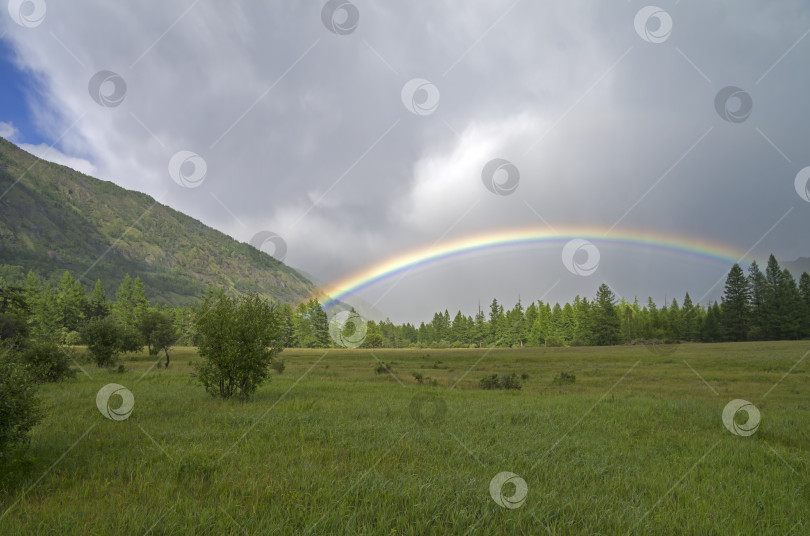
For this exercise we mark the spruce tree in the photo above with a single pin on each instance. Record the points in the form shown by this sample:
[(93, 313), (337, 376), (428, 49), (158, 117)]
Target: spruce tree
[(97, 306), (758, 285), (607, 325), (736, 313), (804, 291), (772, 313), (689, 314), (789, 306)]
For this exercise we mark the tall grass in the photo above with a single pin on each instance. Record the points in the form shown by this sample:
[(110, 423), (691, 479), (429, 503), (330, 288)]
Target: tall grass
[(636, 445)]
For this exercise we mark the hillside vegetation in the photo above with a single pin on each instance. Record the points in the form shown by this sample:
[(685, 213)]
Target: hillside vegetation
[(55, 219)]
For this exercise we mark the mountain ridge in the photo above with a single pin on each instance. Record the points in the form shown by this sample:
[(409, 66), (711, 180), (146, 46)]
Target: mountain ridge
[(53, 218)]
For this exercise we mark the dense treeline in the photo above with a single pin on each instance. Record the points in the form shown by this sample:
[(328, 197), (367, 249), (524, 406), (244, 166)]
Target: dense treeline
[(755, 306), (759, 305)]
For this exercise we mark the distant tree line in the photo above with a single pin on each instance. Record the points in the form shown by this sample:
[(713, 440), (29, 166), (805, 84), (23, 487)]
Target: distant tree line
[(754, 306), (759, 305)]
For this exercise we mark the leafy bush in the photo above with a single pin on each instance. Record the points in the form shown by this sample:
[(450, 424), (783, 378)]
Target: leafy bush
[(555, 341), (47, 361), (73, 338), (382, 368), (564, 378), (489, 382), (524, 376), (418, 377), (19, 411), (104, 338), (494, 382), (511, 382), (239, 338)]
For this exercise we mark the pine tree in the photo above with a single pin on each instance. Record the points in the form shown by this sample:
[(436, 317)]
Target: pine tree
[(529, 318), (72, 302), (772, 314), (480, 328), (583, 321), (97, 306), (607, 325), (495, 313), (653, 324), (675, 317), (540, 329), (735, 309), (789, 303), (689, 313), (711, 327), (804, 291), (567, 323), (758, 285)]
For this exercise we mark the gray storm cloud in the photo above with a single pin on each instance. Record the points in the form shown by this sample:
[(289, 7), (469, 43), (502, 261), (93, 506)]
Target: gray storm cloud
[(608, 110)]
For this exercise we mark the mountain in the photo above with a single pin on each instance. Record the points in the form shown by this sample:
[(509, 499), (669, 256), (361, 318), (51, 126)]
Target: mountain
[(53, 219)]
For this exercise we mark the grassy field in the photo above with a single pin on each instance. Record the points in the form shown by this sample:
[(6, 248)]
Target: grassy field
[(636, 445)]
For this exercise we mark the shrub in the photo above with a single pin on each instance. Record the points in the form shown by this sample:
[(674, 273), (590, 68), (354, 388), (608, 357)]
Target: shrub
[(73, 338), (47, 362), (564, 378), (489, 382), (494, 382), (19, 411), (104, 339), (511, 382), (382, 368), (524, 376), (418, 377), (239, 338), (555, 341)]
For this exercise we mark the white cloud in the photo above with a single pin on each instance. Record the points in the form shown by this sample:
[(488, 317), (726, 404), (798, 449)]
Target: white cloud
[(447, 183), (58, 157), (8, 131)]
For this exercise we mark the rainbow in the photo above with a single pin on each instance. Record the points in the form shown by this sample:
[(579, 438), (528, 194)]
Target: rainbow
[(515, 239)]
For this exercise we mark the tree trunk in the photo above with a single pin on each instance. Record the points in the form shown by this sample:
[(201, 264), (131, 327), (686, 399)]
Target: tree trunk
[(166, 351)]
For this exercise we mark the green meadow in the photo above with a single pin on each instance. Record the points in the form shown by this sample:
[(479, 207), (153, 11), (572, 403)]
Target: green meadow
[(635, 445)]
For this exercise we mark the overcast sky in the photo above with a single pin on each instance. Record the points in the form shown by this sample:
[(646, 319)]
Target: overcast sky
[(357, 131)]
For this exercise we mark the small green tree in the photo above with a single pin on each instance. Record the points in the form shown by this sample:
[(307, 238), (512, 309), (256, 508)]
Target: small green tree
[(158, 330), (97, 305), (239, 338), (19, 410), (47, 361), (103, 337)]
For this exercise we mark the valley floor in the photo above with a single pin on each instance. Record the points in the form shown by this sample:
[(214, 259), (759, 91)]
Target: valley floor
[(635, 445)]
